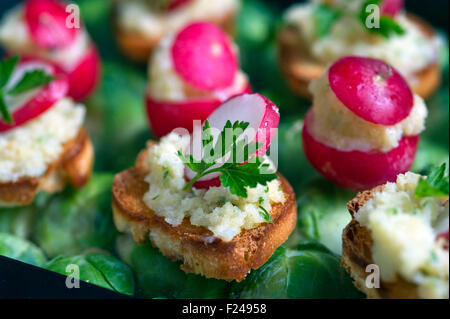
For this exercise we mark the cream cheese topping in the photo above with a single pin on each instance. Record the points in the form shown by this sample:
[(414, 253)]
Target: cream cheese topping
[(14, 36), (136, 16), (166, 85), (337, 126), (216, 209), (404, 230), (27, 151), (348, 37)]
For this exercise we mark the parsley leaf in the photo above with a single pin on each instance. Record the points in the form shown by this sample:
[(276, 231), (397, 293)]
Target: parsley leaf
[(325, 17), (265, 214), (4, 112), (435, 185), (31, 80), (6, 69), (234, 174), (388, 25)]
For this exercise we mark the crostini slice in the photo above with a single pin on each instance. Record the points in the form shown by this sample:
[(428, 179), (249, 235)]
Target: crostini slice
[(74, 166), (194, 246)]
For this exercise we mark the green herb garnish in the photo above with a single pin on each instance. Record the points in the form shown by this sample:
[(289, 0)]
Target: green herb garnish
[(435, 185), (265, 214), (30, 80), (234, 175), (325, 16), (388, 25)]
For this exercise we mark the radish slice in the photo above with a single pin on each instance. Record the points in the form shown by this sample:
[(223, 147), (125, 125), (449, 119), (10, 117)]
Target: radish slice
[(46, 22), (263, 116), (371, 89), (175, 4), (355, 169), (84, 77), (203, 56), (164, 117), (392, 7), (444, 236), (30, 105)]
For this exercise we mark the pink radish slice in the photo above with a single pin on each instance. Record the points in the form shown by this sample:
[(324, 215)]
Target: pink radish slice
[(85, 76), (46, 22), (175, 4), (371, 89), (40, 102), (203, 56), (392, 7), (355, 169), (263, 116), (164, 117)]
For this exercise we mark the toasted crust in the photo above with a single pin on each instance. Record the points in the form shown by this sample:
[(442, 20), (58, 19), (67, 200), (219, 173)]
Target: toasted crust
[(138, 47), (200, 252), (357, 255), (300, 68), (73, 166)]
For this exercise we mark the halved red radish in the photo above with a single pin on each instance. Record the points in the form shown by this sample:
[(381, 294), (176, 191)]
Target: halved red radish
[(84, 77), (355, 169), (392, 7), (371, 89), (175, 4), (203, 56), (26, 107), (263, 117), (46, 22), (164, 117)]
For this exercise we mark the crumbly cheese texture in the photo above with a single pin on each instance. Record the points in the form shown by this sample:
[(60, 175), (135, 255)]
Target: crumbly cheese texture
[(166, 85), (15, 37), (136, 15), (404, 230), (28, 150), (349, 37), (337, 126), (216, 209)]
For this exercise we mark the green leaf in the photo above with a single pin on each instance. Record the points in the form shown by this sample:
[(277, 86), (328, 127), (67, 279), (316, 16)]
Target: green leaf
[(4, 112), (388, 25), (7, 67), (265, 214), (20, 249), (31, 80), (325, 17), (435, 185)]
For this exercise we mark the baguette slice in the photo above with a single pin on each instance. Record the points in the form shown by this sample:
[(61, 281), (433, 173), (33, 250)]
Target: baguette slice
[(138, 47), (73, 166), (195, 246), (300, 68), (357, 254)]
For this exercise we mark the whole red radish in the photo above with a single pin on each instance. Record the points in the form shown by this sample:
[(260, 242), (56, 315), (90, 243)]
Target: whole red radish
[(203, 57), (41, 101), (392, 7), (164, 116), (84, 77), (355, 169), (371, 89), (263, 117), (46, 22)]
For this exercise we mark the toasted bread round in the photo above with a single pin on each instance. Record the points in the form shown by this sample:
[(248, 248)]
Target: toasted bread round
[(357, 255), (300, 68), (73, 166), (194, 246), (138, 46)]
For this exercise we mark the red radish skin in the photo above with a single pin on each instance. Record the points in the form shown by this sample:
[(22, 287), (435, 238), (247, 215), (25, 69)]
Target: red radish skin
[(371, 89), (84, 77), (392, 7), (39, 103), (175, 4), (164, 116), (241, 108), (358, 170), (203, 57), (46, 22), (444, 236)]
